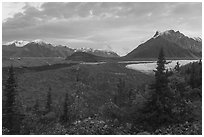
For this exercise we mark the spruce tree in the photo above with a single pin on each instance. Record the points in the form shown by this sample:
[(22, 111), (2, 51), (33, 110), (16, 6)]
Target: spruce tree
[(49, 101), (192, 76), (36, 107), (200, 62), (161, 80), (158, 108), (11, 113), (64, 117), (177, 67), (120, 96), (200, 77), (187, 71)]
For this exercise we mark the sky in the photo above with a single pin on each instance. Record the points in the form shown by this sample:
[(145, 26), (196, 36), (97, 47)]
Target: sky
[(115, 26)]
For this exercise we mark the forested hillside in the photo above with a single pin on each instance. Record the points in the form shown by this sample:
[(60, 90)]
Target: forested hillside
[(103, 99)]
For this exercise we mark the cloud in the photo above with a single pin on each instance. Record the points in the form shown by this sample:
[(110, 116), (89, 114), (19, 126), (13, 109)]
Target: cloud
[(97, 25)]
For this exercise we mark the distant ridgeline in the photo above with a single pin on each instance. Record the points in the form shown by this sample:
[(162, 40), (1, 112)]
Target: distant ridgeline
[(45, 49), (175, 45)]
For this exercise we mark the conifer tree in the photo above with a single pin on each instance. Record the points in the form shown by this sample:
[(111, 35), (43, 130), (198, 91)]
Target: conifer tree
[(120, 96), (177, 67), (158, 107), (192, 76), (160, 73), (64, 117), (11, 113), (36, 107), (200, 77), (200, 62), (49, 101)]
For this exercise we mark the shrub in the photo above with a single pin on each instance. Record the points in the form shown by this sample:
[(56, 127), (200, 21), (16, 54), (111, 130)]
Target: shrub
[(187, 128), (97, 126)]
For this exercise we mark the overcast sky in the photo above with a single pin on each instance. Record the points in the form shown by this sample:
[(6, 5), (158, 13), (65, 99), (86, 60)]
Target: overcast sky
[(120, 27)]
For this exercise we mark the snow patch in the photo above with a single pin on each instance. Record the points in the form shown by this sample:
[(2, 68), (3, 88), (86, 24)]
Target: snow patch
[(21, 43), (40, 41), (83, 49), (197, 39), (167, 32), (18, 43)]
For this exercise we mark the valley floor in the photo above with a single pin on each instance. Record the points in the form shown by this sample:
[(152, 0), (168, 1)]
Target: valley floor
[(92, 88)]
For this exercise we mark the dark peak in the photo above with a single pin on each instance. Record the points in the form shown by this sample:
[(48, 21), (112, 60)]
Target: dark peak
[(171, 31), (177, 31), (156, 34)]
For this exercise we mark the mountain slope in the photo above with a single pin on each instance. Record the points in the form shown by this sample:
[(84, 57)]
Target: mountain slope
[(174, 44), (39, 48)]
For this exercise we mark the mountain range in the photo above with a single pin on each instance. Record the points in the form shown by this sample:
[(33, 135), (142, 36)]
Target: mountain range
[(175, 46), (39, 48)]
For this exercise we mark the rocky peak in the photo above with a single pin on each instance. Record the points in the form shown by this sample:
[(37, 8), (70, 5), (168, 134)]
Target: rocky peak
[(168, 33)]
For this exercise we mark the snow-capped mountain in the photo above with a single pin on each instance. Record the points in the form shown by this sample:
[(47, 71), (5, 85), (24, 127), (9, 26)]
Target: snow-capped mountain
[(170, 33), (39, 41), (83, 49), (175, 44), (174, 34), (18, 43), (21, 43), (97, 52), (40, 48), (181, 40)]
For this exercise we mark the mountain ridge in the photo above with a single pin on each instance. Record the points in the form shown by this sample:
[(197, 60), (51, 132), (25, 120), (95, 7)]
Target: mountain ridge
[(176, 46), (40, 48)]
